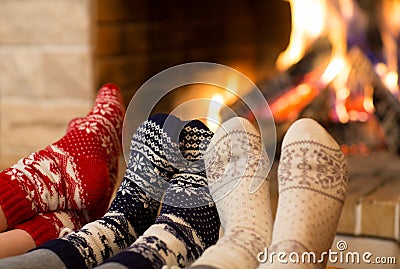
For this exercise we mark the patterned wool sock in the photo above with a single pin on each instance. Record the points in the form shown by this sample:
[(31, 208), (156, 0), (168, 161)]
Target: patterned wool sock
[(312, 177), (133, 210), (236, 158), (46, 226), (74, 172), (188, 222)]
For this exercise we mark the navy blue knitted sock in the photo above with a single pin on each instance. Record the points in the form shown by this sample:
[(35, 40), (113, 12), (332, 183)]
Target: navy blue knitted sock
[(188, 222), (135, 206)]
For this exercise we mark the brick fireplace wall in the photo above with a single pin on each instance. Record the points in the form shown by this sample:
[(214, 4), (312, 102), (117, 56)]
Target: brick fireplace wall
[(46, 72), (137, 39), (54, 54)]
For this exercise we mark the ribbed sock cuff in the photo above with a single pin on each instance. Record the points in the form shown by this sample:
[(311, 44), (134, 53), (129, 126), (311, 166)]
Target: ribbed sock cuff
[(67, 253), (40, 229), (131, 260), (13, 201)]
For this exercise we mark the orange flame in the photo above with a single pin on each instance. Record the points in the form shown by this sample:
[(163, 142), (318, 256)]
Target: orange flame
[(308, 20), (218, 101), (332, 22), (390, 33)]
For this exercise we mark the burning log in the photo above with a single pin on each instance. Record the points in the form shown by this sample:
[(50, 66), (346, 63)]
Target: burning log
[(286, 81), (291, 101), (347, 94)]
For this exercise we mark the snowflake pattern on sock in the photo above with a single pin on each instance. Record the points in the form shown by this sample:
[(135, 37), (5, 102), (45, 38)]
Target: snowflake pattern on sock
[(188, 222), (312, 181), (77, 172), (134, 209), (235, 158)]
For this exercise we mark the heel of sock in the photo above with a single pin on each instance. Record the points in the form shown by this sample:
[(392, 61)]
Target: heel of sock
[(95, 186)]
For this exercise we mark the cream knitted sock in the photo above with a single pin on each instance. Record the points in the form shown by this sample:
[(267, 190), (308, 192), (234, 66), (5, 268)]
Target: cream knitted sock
[(312, 177), (234, 159)]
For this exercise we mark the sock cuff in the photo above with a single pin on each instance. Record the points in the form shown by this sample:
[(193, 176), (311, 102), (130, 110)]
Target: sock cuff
[(45, 227), (40, 229), (66, 252), (13, 199), (130, 260)]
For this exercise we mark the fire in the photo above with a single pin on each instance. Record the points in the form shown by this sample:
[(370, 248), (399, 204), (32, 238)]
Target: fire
[(342, 92), (219, 100), (390, 80), (308, 20), (313, 19), (368, 103), (213, 117), (290, 104), (287, 106), (333, 69), (390, 33)]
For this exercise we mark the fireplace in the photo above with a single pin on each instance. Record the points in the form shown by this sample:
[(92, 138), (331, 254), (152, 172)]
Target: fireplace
[(343, 73), (51, 62)]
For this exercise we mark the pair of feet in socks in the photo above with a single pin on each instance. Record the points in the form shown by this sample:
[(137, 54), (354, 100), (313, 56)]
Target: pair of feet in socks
[(70, 182)]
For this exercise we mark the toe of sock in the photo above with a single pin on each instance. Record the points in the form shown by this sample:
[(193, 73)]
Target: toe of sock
[(109, 92), (233, 125), (169, 123), (308, 130)]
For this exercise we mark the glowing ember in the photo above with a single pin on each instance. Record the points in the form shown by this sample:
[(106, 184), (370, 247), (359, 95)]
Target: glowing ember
[(360, 149), (290, 104)]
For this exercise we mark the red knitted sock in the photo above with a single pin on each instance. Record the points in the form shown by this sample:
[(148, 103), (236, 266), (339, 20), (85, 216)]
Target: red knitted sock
[(77, 172), (46, 226), (75, 122)]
